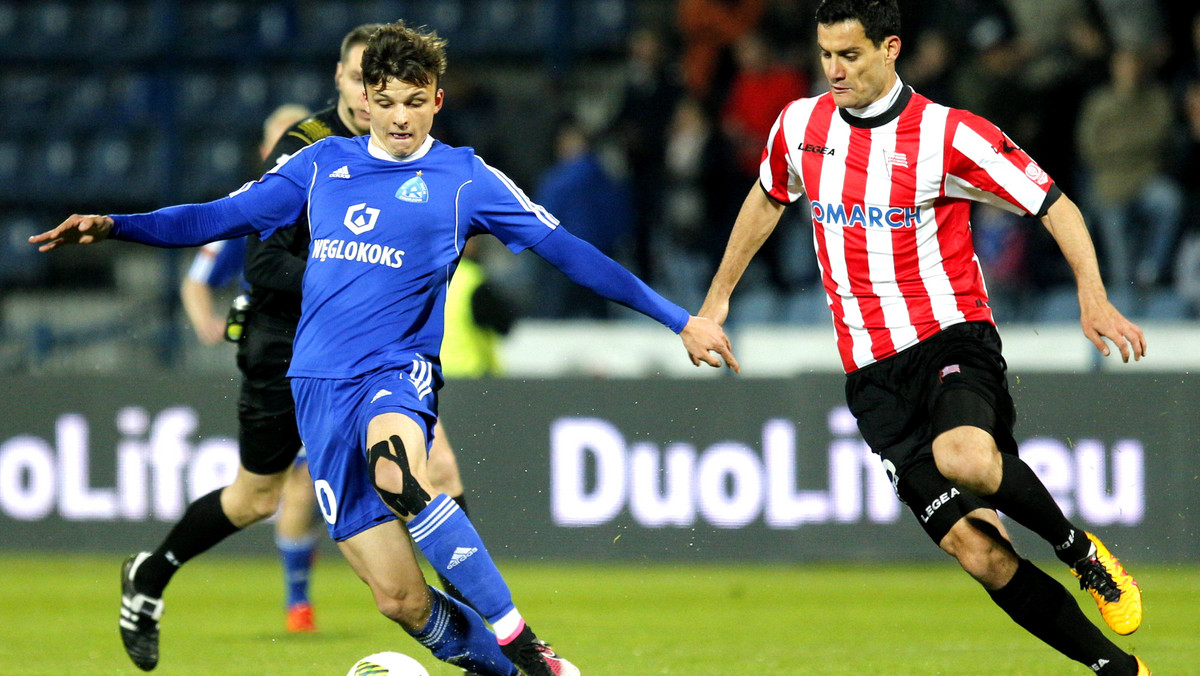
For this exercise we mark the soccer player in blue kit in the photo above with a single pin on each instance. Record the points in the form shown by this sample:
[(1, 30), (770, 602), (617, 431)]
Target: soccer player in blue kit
[(389, 215)]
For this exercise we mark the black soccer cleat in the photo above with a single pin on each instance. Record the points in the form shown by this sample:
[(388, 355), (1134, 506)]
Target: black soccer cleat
[(139, 617)]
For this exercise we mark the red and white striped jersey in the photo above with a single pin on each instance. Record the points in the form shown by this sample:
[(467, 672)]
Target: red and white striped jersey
[(890, 199)]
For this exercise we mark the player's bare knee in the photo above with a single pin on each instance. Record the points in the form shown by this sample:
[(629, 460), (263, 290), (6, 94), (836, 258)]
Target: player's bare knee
[(263, 505), (967, 461), (250, 505), (393, 478)]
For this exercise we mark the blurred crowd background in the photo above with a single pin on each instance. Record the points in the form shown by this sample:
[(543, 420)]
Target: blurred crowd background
[(639, 123)]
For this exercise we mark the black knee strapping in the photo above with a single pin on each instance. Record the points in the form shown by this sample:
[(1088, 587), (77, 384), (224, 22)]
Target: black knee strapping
[(412, 498)]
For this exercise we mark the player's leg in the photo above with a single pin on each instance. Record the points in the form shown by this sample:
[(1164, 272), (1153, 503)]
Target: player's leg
[(208, 520), (397, 464), (383, 558), (965, 527), (297, 545), (442, 469), (1029, 596), (971, 424), (268, 442), (442, 465)]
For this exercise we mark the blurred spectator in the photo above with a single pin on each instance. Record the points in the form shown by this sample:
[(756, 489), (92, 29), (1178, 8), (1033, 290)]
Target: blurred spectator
[(761, 88), (930, 68), (650, 94), (791, 24), (700, 202), (473, 118), (1187, 263), (992, 83), (1080, 67), (1136, 25), (709, 29), (941, 39), (1183, 22), (589, 203), (1123, 135)]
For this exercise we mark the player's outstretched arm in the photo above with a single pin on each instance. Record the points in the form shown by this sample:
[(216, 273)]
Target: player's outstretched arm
[(1098, 317), (755, 222), (702, 337), (585, 265), (76, 229)]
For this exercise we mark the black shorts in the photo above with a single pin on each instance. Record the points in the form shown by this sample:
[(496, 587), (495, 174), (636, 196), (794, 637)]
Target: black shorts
[(903, 402), (268, 439)]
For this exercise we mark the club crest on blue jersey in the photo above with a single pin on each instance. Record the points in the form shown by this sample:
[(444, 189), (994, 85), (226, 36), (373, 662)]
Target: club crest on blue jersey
[(414, 190), (360, 218)]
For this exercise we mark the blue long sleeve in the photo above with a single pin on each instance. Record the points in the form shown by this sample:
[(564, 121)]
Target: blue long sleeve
[(583, 264), (265, 205), (183, 225)]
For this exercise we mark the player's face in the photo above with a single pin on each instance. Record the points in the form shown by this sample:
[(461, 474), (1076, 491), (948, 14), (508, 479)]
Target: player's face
[(352, 102), (859, 72), (402, 115)]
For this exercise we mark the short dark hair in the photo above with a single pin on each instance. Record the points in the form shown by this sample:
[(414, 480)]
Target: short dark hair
[(357, 36), (413, 55), (880, 19)]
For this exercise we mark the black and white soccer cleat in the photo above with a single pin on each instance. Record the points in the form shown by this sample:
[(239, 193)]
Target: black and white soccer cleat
[(139, 617)]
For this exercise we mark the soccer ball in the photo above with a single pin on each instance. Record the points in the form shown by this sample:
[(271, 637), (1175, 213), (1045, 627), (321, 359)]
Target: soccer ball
[(387, 664)]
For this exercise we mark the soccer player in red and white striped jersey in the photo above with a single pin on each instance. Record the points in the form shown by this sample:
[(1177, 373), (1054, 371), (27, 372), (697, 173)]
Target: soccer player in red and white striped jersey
[(890, 177)]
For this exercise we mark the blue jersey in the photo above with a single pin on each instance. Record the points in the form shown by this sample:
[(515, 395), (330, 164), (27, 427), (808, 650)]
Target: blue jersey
[(386, 236)]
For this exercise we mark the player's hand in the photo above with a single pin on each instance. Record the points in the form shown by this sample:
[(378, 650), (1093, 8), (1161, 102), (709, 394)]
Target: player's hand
[(702, 337), (76, 229), (1101, 320)]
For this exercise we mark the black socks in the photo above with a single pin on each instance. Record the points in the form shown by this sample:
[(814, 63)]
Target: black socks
[(1041, 606), (203, 525), (1024, 498)]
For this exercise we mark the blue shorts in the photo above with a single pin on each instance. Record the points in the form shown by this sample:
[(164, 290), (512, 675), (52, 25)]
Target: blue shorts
[(333, 415)]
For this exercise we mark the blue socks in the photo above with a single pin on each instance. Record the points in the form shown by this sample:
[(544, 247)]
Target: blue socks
[(297, 556), (457, 635), (455, 550)]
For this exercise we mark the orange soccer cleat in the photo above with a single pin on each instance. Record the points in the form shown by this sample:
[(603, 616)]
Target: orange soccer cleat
[(1115, 591)]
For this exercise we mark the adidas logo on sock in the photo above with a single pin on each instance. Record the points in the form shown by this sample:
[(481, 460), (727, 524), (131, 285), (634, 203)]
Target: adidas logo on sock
[(461, 554), (343, 172)]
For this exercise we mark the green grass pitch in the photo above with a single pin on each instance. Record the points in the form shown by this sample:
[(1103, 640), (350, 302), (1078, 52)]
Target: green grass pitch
[(58, 615)]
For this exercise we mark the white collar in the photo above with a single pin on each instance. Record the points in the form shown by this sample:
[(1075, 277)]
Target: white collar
[(881, 105), (382, 154)]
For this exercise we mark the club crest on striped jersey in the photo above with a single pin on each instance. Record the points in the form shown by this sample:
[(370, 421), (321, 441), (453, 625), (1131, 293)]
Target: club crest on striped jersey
[(891, 159), (1035, 173), (414, 190)]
